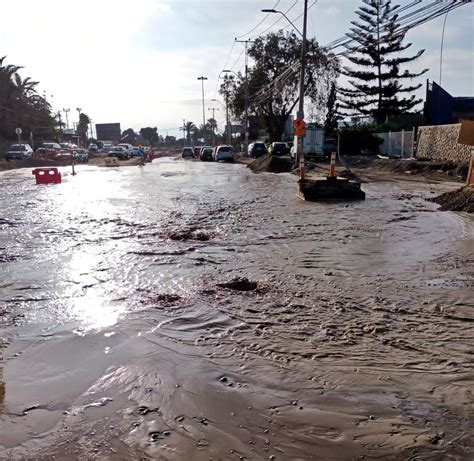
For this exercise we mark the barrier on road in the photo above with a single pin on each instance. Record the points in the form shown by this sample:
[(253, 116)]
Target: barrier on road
[(47, 175)]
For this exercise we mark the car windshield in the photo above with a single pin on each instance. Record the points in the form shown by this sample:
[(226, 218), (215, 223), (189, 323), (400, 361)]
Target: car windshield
[(225, 149), (18, 147), (279, 144), (207, 151)]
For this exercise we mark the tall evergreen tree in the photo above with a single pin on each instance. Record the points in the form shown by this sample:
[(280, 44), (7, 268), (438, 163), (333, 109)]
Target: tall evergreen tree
[(377, 87), (330, 123)]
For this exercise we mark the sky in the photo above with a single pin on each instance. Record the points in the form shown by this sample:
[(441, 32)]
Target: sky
[(137, 61)]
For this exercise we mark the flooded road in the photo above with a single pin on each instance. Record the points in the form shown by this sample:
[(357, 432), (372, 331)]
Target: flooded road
[(121, 340)]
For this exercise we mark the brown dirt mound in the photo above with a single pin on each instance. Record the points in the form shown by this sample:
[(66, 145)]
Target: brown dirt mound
[(27, 163), (458, 200), (271, 164)]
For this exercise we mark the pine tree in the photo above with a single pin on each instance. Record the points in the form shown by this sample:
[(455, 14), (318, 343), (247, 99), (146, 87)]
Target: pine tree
[(330, 123), (376, 82)]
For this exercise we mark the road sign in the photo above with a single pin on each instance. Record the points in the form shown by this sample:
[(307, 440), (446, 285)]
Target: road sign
[(299, 127), (18, 131)]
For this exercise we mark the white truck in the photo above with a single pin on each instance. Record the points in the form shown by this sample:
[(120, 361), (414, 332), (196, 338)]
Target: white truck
[(313, 143)]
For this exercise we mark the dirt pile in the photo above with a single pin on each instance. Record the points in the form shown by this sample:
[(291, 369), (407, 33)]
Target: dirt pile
[(26, 163), (271, 164), (458, 200), (412, 167)]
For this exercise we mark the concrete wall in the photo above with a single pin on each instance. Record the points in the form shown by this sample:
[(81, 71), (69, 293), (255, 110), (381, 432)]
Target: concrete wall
[(441, 143)]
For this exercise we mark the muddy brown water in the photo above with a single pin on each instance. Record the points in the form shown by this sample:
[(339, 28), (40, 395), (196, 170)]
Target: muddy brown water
[(119, 339)]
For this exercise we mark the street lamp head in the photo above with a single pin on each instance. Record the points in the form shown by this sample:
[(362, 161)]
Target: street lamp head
[(269, 10)]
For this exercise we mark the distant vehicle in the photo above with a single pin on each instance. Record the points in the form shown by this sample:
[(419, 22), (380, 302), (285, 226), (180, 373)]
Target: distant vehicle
[(65, 156), (93, 147), (223, 153), (81, 155), (19, 151), (138, 152), (120, 152), (51, 145), (187, 152), (197, 151), (106, 147), (278, 148), (67, 145), (205, 154), (127, 147), (313, 143), (257, 149)]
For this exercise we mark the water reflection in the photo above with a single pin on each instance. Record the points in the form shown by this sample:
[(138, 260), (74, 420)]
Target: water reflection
[(2, 384), (95, 312)]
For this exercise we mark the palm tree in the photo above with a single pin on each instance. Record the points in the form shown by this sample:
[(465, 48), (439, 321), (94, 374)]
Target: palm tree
[(189, 127), (26, 87)]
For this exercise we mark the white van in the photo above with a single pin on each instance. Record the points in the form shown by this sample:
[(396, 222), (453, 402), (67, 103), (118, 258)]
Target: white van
[(128, 148)]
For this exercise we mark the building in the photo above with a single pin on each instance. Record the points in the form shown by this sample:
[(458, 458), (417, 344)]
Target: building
[(108, 132), (441, 108)]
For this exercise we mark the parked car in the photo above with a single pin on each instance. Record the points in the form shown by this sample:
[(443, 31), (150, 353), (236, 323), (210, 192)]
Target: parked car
[(81, 155), (127, 147), (187, 152), (205, 154), (257, 149), (93, 147), (19, 151), (120, 152), (197, 151), (106, 147), (138, 152), (278, 148), (223, 153), (65, 156), (51, 146)]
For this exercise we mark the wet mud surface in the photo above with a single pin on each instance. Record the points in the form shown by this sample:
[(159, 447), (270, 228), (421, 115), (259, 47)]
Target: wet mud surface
[(184, 311)]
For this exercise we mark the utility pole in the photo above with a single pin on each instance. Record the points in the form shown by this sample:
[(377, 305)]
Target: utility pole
[(246, 42), (300, 114), (213, 128), (66, 112), (202, 78)]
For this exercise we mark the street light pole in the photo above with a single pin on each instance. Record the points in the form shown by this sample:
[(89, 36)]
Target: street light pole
[(213, 109), (202, 78), (246, 42), (441, 51), (66, 112)]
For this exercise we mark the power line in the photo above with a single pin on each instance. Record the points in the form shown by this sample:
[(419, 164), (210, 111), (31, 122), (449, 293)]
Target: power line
[(260, 23), (276, 22), (407, 23)]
